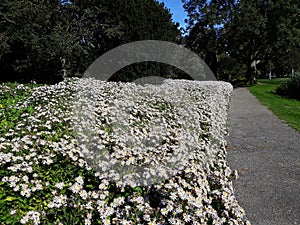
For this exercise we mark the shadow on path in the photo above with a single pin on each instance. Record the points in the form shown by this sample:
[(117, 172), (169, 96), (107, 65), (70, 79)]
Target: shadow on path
[(266, 153)]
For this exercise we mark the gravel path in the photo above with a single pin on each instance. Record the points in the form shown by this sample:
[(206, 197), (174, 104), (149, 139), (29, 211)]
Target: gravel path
[(266, 153)]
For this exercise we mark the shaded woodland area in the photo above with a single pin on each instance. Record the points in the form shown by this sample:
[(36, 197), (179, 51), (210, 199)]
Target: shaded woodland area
[(46, 40)]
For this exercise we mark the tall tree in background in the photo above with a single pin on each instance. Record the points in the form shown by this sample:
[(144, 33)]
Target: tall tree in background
[(283, 26), (264, 32), (47, 39), (252, 32), (205, 22), (42, 37), (142, 20), (245, 37)]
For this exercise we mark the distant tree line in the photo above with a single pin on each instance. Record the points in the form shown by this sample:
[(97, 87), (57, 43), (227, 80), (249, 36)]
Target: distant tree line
[(44, 40), (247, 38)]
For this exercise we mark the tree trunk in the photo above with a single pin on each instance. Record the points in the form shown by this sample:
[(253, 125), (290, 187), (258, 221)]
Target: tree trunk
[(250, 75)]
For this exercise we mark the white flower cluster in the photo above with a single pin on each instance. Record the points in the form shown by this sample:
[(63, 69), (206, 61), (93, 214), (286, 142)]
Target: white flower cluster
[(156, 153), (31, 215), (138, 135)]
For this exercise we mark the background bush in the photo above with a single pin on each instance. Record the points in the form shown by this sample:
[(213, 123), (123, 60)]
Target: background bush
[(290, 88)]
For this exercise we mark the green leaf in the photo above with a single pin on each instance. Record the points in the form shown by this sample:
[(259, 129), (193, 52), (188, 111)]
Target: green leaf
[(4, 122), (30, 109), (10, 198)]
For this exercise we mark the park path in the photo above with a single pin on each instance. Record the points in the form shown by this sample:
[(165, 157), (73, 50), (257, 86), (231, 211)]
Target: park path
[(266, 153)]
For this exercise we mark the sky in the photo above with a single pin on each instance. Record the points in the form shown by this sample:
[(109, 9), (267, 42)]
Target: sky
[(176, 8)]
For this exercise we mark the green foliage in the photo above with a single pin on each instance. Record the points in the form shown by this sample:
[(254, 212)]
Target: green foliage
[(265, 33), (204, 25), (146, 69), (46, 40), (290, 88), (11, 95), (283, 27), (143, 20), (245, 35), (229, 69)]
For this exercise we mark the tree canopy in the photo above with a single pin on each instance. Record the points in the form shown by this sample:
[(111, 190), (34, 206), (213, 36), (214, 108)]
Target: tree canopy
[(259, 33), (47, 39)]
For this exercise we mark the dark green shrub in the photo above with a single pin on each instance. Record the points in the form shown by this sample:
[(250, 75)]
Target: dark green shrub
[(290, 88)]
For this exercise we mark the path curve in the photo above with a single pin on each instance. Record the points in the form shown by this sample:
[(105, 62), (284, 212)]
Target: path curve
[(266, 153)]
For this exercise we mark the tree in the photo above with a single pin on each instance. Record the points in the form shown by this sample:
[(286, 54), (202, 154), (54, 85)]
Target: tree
[(250, 31), (143, 20), (230, 69), (265, 31), (41, 38), (206, 19), (48, 39), (283, 26), (246, 36)]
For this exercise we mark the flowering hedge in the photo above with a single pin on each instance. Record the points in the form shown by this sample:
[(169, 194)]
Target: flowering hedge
[(54, 171)]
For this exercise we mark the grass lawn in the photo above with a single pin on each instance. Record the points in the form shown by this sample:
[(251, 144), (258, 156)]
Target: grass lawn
[(285, 109)]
